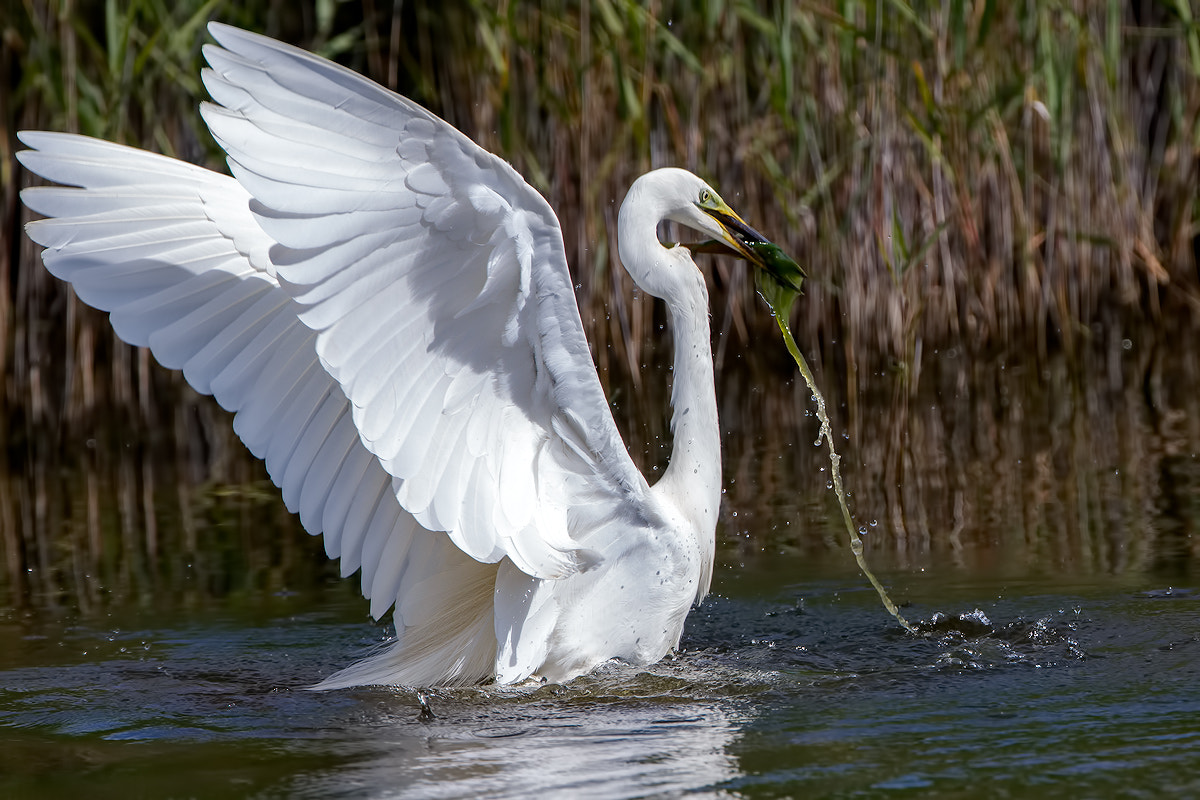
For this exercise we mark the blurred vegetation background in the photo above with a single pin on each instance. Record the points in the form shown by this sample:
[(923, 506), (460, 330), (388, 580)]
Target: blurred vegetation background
[(968, 182)]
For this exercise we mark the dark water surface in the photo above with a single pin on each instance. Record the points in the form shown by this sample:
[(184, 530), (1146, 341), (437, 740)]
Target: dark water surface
[(792, 683), (1042, 529)]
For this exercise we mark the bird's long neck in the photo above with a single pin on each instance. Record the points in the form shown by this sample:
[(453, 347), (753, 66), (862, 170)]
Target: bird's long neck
[(694, 474)]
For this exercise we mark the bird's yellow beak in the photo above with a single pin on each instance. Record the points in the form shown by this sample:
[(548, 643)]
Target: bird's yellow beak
[(738, 234), (749, 244)]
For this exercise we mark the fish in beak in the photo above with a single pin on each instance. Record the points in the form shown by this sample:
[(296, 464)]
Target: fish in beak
[(742, 240)]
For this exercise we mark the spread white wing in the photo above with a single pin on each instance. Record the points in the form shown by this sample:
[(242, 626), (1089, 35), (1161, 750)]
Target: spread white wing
[(387, 309)]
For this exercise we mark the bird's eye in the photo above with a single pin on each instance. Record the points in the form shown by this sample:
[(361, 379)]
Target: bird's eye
[(705, 197)]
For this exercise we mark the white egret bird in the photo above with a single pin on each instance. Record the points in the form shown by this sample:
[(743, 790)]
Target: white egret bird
[(387, 309)]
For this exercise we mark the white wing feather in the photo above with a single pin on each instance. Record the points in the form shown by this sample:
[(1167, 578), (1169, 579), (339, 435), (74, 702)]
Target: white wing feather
[(435, 280), (394, 326), (173, 254)]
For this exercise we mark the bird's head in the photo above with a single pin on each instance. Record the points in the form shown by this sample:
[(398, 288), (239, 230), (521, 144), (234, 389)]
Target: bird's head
[(679, 196)]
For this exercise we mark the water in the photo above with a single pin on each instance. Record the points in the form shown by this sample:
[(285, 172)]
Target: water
[(1051, 691), (790, 684), (1041, 529)]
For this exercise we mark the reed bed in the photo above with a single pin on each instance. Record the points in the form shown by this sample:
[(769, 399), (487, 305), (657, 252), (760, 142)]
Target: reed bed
[(1003, 182)]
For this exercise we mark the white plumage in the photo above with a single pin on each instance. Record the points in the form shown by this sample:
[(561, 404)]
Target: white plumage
[(388, 310)]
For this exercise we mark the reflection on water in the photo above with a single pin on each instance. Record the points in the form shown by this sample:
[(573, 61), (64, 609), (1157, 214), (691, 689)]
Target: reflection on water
[(1038, 517), (97, 701), (789, 685), (1077, 466), (610, 737), (1011, 464)]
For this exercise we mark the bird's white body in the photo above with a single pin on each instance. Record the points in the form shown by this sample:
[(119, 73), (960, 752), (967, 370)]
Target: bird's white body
[(387, 308)]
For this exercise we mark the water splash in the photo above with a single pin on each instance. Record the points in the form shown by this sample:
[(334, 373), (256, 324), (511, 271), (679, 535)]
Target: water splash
[(971, 641)]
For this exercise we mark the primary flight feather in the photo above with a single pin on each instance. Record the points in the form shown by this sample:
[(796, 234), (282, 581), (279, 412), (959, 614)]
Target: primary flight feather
[(387, 309)]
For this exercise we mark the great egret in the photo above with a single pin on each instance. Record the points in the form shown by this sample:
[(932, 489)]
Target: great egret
[(387, 308)]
